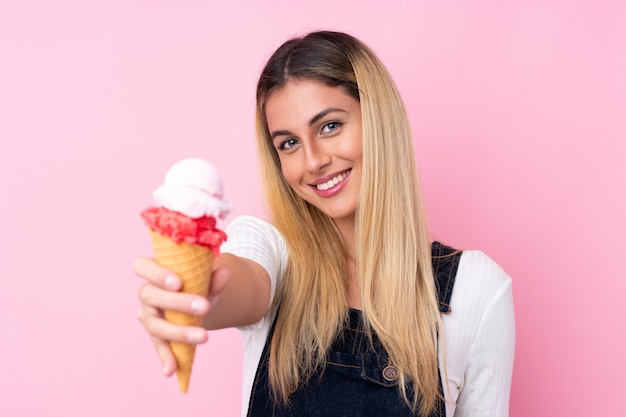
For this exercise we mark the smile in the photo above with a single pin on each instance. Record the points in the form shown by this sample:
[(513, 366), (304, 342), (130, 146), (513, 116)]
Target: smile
[(333, 182)]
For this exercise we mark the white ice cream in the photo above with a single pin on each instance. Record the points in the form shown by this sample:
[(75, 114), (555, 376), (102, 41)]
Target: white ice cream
[(193, 187)]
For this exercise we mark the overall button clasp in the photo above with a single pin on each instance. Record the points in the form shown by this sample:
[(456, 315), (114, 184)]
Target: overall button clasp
[(390, 373)]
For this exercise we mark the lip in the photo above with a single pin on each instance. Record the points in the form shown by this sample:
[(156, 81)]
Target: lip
[(335, 189)]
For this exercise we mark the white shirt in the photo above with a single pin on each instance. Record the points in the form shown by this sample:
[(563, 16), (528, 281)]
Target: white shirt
[(478, 337)]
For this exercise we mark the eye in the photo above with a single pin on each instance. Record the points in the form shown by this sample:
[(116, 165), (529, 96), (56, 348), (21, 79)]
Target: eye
[(287, 144), (331, 127)]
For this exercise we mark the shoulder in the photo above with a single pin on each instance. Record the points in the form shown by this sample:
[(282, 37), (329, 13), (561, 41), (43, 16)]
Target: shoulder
[(479, 274), (466, 277), (482, 292), (480, 282), (247, 222), (249, 232)]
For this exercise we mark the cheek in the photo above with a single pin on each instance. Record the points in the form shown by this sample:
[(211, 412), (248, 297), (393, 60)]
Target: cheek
[(354, 151), (352, 146), (289, 172)]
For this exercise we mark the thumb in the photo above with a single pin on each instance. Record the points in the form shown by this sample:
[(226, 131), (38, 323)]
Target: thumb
[(219, 280)]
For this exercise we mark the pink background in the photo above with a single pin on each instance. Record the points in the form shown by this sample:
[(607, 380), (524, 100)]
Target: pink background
[(519, 114)]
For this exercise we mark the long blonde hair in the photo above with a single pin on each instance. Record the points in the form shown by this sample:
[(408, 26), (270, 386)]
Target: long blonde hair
[(392, 243)]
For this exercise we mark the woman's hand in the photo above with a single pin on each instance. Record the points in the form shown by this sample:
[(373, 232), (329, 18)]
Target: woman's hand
[(160, 292)]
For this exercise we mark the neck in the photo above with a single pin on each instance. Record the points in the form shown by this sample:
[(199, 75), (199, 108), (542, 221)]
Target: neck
[(347, 231)]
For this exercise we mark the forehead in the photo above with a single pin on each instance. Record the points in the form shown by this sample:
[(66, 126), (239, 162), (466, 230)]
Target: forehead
[(299, 101)]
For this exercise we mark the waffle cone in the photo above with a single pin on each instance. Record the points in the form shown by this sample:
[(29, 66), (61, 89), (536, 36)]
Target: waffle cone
[(193, 265)]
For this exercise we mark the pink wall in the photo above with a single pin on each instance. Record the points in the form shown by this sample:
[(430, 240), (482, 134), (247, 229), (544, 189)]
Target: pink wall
[(519, 116)]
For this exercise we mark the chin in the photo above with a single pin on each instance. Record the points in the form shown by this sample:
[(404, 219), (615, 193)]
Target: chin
[(340, 215)]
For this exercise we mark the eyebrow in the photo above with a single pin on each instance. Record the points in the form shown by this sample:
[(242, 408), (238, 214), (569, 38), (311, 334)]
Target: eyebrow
[(314, 119)]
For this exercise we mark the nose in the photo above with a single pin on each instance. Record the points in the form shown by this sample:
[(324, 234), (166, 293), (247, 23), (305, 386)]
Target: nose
[(315, 156)]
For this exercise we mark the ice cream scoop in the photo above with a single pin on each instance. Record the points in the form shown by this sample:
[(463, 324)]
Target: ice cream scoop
[(193, 187)]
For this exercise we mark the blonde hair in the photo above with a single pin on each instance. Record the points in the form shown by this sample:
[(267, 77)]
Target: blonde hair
[(392, 243)]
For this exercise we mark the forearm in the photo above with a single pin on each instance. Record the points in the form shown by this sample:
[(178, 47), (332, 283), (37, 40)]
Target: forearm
[(245, 298)]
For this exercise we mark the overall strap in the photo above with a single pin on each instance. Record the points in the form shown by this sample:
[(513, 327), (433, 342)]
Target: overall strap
[(445, 264)]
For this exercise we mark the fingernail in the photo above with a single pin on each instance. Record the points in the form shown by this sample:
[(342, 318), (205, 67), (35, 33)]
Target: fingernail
[(171, 281), (196, 306), (195, 337)]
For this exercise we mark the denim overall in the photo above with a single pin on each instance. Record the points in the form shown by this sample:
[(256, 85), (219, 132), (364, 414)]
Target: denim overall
[(358, 379)]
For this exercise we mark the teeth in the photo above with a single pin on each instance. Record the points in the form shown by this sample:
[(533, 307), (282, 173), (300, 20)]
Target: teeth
[(331, 183)]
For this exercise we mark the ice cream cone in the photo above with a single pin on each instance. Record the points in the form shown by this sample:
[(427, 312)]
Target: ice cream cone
[(193, 264), (185, 238)]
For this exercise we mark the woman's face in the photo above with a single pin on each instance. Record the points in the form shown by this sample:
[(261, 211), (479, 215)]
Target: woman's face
[(316, 130)]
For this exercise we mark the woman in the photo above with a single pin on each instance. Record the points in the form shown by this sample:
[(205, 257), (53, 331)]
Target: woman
[(337, 298)]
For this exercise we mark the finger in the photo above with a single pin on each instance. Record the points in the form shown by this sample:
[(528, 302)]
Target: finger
[(164, 351), (159, 335), (162, 347), (153, 296), (148, 269), (160, 329), (147, 312)]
